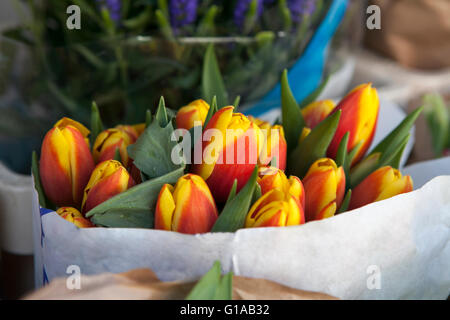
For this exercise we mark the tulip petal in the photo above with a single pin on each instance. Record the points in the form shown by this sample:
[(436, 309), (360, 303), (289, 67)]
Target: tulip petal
[(195, 210), (165, 206), (108, 179)]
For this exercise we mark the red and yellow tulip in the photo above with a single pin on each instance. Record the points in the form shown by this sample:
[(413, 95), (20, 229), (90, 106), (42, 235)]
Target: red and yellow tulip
[(270, 178), (274, 209), (108, 179), (274, 144), (381, 184), (324, 185), (66, 162), (315, 112), (109, 140), (73, 215), (196, 111), (359, 117), (187, 208), (230, 147)]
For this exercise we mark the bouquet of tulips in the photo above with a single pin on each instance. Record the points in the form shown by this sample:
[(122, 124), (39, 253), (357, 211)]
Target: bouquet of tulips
[(207, 168)]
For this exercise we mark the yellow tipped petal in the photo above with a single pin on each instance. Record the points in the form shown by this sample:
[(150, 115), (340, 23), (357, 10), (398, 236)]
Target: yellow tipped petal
[(165, 208)]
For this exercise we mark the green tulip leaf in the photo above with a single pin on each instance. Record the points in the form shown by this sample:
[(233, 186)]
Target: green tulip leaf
[(161, 113), (96, 123), (212, 81), (212, 110), (232, 193), (164, 24), (396, 158), (346, 201), (257, 193), (212, 286), (350, 156), (135, 207), (232, 217), (236, 103), (285, 14), (117, 155), (438, 119), (316, 144), (43, 200), (152, 152), (225, 289), (395, 138), (363, 169), (291, 115), (206, 25), (342, 150)]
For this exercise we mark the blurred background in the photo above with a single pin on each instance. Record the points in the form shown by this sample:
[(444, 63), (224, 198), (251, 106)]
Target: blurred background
[(129, 53)]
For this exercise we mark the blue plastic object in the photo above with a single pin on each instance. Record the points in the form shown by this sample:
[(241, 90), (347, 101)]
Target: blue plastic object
[(305, 76)]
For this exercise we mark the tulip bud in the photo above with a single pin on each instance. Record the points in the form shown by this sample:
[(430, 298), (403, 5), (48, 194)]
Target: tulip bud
[(229, 148), (381, 184), (73, 215), (132, 131), (359, 117), (187, 208), (315, 112), (108, 179), (305, 132), (270, 178), (111, 139), (274, 144), (324, 185), (274, 209), (66, 162), (196, 111), (139, 128)]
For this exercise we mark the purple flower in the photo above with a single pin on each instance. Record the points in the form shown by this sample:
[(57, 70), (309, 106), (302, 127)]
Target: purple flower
[(301, 7), (113, 6), (240, 11), (182, 12)]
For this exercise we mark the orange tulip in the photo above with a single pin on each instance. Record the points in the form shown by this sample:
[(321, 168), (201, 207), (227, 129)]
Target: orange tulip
[(187, 208), (359, 117), (73, 215), (229, 148), (139, 128), (270, 178), (324, 188), (109, 140), (381, 184), (196, 111), (315, 112), (108, 179), (66, 162), (274, 209), (274, 144)]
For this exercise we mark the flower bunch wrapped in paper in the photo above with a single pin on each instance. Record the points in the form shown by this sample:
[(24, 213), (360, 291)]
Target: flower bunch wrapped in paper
[(215, 173)]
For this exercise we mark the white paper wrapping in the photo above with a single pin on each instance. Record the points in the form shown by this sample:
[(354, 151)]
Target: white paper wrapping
[(394, 249)]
